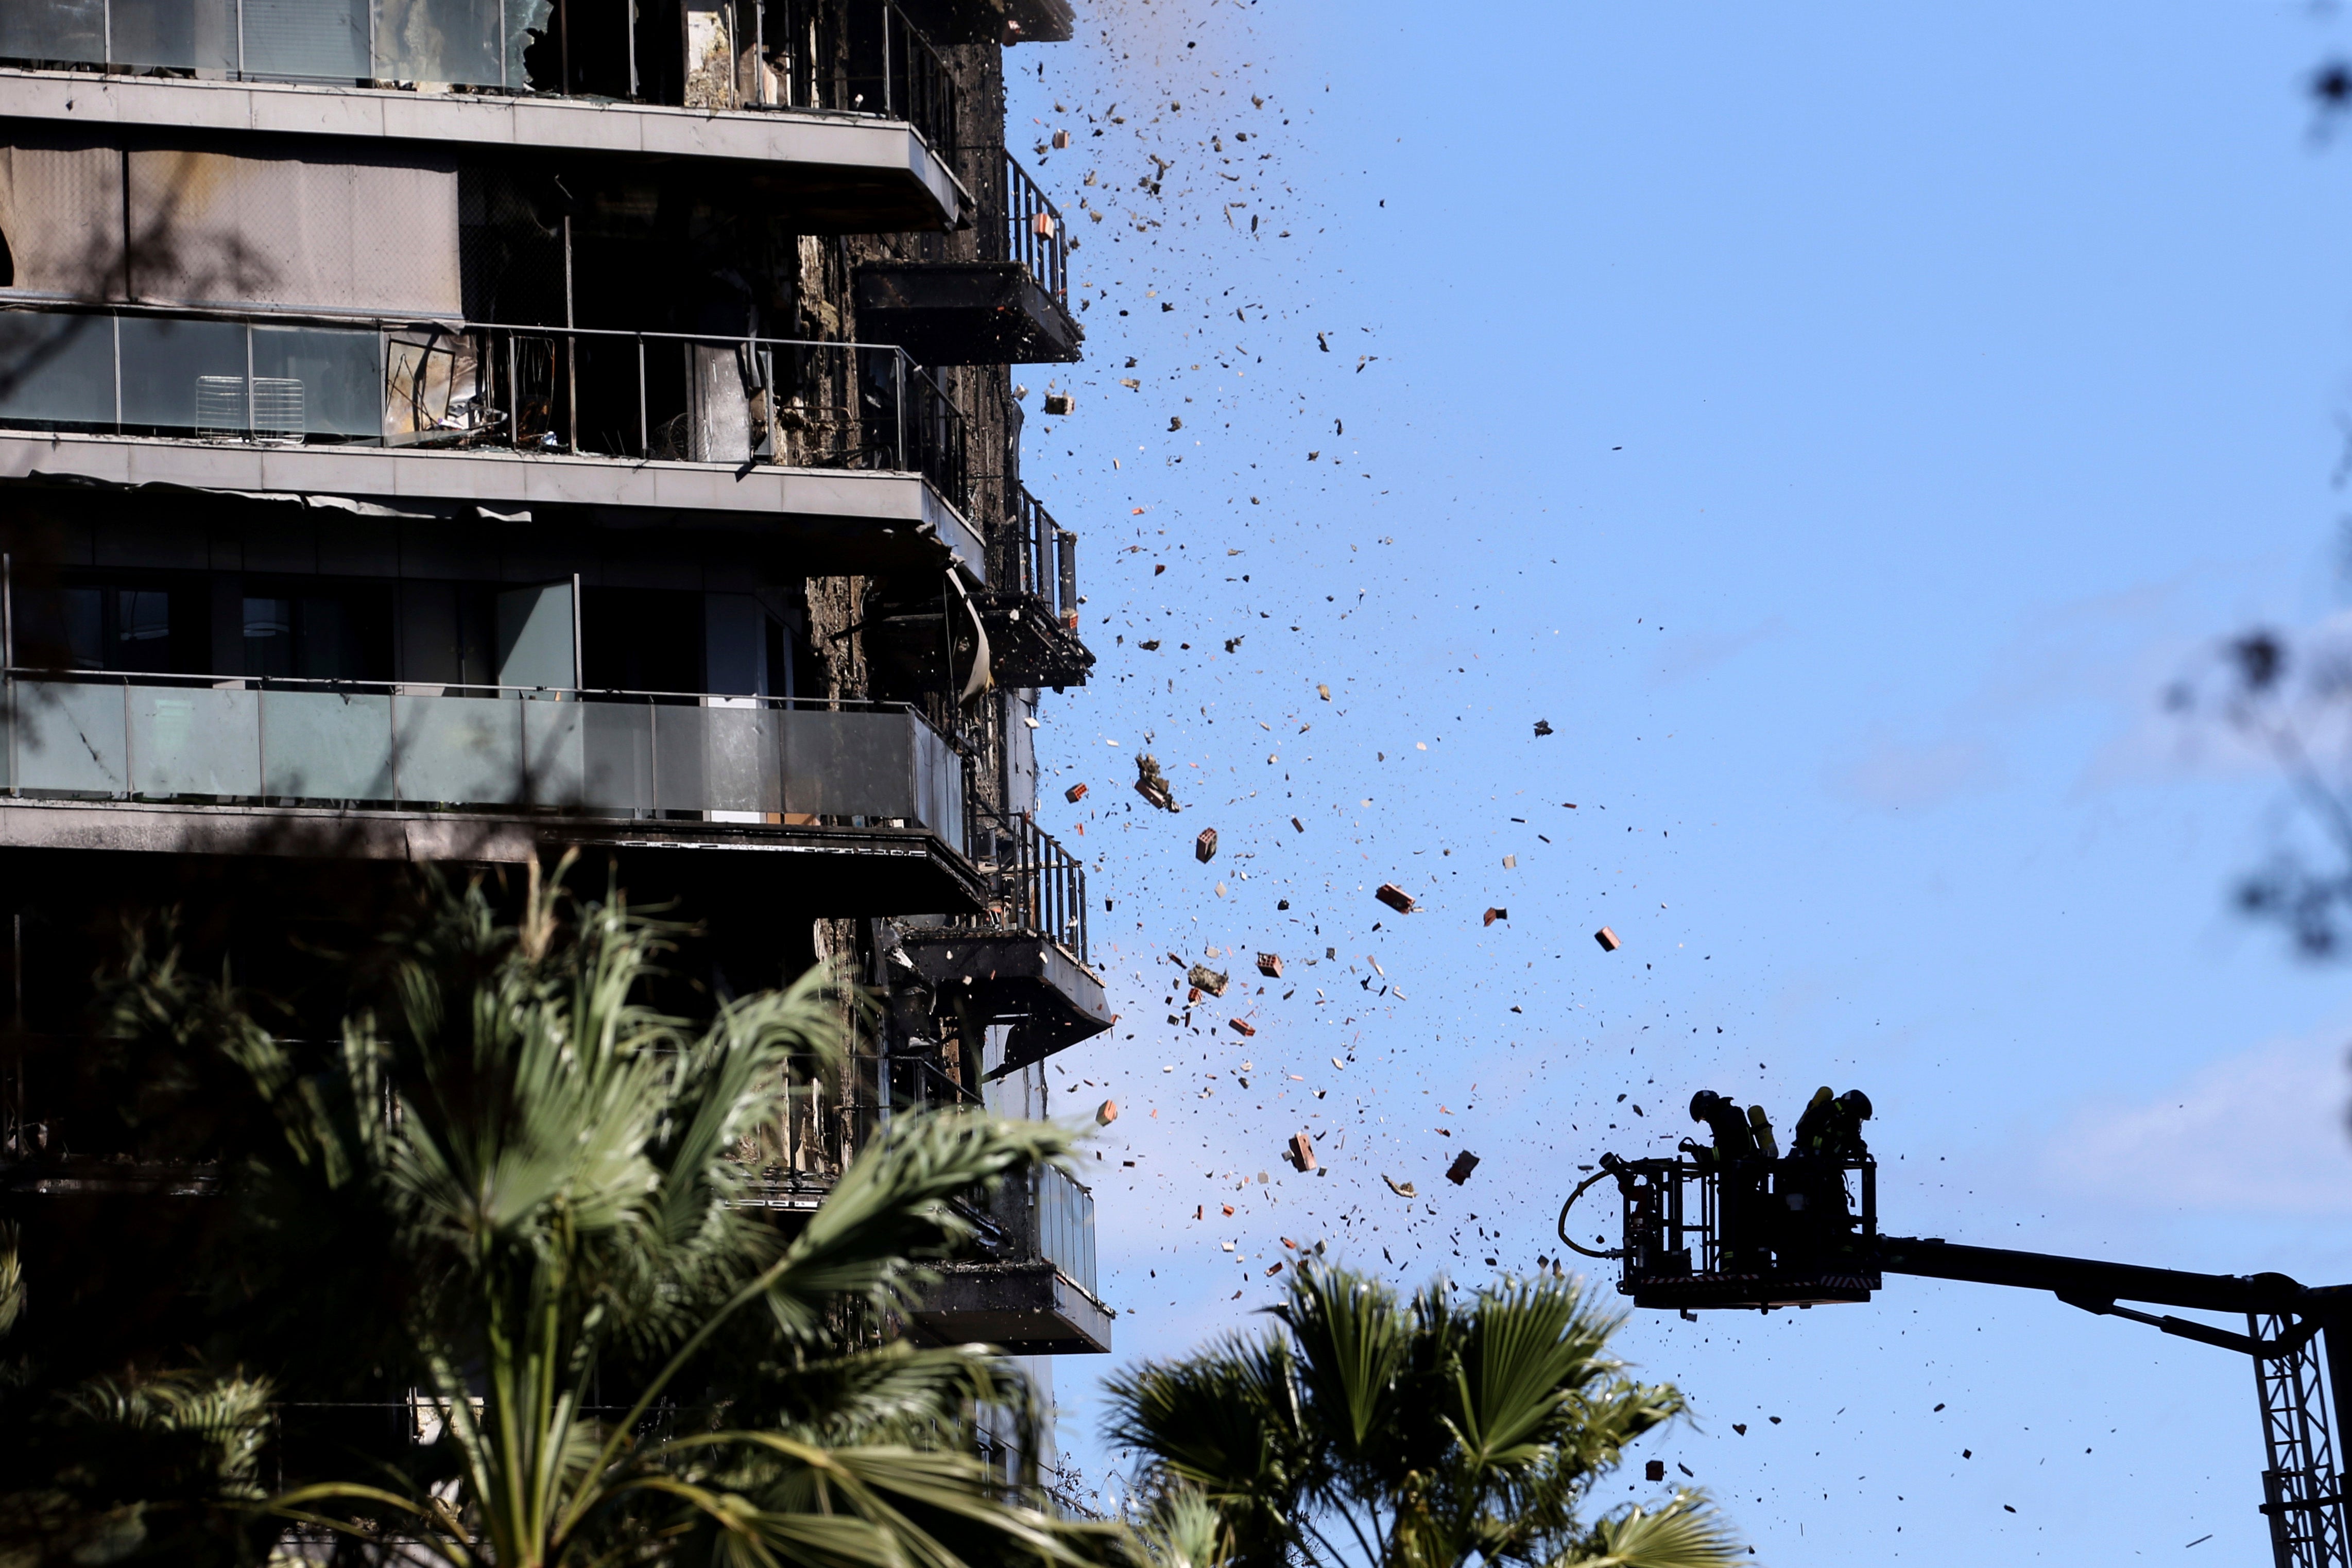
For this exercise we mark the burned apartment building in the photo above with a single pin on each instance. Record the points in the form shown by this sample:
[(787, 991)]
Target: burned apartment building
[(458, 431)]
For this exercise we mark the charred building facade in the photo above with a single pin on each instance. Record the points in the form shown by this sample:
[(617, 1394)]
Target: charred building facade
[(457, 431)]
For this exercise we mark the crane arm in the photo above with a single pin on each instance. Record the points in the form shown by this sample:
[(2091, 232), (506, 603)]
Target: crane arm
[(2081, 1280)]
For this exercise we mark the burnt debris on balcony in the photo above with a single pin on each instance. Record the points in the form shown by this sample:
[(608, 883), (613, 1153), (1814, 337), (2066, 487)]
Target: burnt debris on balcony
[(1010, 305), (1031, 606)]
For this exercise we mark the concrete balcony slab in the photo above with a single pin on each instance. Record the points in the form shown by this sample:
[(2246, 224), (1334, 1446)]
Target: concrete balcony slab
[(887, 520), (847, 173)]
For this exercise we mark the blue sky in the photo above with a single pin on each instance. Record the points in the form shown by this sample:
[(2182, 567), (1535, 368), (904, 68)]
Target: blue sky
[(1840, 424)]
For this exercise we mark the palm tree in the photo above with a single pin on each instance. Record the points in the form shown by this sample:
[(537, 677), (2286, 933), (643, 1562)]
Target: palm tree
[(625, 1364), (1373, 1432)]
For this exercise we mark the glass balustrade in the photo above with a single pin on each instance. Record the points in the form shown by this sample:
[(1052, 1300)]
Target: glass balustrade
[(737, 759), (1066, 1227)]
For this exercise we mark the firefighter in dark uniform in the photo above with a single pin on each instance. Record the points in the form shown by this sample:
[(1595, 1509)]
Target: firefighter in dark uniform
[(1811, 1187), (1743, 1244)]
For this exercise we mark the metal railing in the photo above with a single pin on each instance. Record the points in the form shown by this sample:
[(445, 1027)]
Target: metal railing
[(1031, 233), (1039, 558), (852, 56), (1064, 1228), (1035, 884), (635, 755), (647, 396)]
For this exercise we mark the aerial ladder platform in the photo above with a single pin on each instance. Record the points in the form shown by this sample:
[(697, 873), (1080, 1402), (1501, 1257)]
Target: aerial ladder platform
[(1758, 1230)]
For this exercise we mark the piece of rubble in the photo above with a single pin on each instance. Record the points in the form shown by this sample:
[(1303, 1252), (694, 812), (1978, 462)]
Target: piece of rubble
[(1542, 728), (1300, 1151), (1106, 1113), (1242, 1027), (1204, 848), (1656, 1470), (1152, 784), (1061, 140), (1074, 793), (1059, 403), (1495, 914), (1207, 980), (1192, 996), (1459, 1171), (1608, 940), (1298, 824), (1395, 897), (1401, 1189), (1270, 966), (1510, 862), (1323, 692)]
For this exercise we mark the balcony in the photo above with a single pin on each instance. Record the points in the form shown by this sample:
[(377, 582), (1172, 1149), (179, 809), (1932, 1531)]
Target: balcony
[(852, 454), (1022, 960), (841, 105), (1009, 307), (207, 765), (1038, 1298), (1031, 608)]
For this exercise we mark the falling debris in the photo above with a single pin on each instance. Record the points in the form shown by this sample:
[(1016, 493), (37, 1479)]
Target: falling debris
[(1074, 793), (1395, 897), (1298, 824), (1323, 692), (1543, 728), (1059, 403), (1270, 966), (1206, 979), (1152, 784), (1608, 940), (1510, 862), (1401, 1189), (1106, 1113), (1300, 1151), (1204, 848), (1656, 1470), (1495, 914), (1242, 1027), (1459, 1171)]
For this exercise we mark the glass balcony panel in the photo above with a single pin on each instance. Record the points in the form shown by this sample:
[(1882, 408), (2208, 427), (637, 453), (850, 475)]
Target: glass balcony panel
[(326, 745), (57, 371), (849, 764), (67, 30), (188, 35), (554, 745), (618, 771), (938, 785), (190, 740), (336, 376), (722, 758), (459, 750), (1066, 1227), (439, 41), (322, 39), (69, 738), (182, 375)]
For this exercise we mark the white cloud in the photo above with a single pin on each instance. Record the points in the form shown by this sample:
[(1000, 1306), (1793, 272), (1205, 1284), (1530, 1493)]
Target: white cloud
[(2262, 1131)]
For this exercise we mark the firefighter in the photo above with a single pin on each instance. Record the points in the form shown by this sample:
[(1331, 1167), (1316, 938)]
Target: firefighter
[(1743, 1244), (1733, 1138)]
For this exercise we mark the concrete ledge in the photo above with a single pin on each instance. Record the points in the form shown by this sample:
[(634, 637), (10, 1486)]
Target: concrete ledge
[(838, 871), (901, 510), (1024, 1309), (880, 169)]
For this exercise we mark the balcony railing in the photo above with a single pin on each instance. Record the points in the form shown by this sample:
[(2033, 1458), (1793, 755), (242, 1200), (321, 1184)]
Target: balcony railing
[(633, 755), (1031, 233), (659, 397), (1035, 884), (1064, 1234), (1038, 557), (858, 57)]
